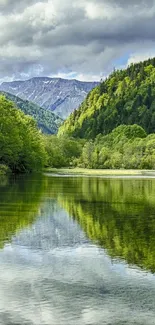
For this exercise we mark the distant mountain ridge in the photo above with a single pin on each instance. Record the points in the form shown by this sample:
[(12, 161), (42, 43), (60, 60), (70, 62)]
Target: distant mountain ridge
[(61, 96), (46, 120)]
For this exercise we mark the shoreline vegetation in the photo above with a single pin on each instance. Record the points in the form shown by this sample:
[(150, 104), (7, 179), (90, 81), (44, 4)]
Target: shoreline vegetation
[(4, 170), (113, 146), (127, 147), (98, 172)]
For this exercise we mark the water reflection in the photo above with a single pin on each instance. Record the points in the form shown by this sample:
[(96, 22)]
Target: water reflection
[(19, 204), (54, 269), (117, 214)]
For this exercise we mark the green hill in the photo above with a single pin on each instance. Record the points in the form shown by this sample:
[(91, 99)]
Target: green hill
[(22, 146), (126, 97), (46, 120)]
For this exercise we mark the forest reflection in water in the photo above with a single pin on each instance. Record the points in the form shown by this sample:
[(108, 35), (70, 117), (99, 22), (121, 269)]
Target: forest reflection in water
[(77, 251), (117, 214), (20, 199)]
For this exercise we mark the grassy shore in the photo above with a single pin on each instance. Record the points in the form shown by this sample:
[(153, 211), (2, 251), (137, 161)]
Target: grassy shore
[(98, 172)]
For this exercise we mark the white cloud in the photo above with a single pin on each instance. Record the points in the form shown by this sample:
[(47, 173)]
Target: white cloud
[(100, 11), (81, 37), (80, 76), (87, 77), (141, 56)]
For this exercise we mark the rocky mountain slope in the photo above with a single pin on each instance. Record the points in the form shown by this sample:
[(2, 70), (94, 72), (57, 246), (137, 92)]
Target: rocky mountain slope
[(126, 97), (46, 120), (58, 95)]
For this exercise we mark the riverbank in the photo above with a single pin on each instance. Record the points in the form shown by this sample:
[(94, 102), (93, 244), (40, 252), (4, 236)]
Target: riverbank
[(99, 172)]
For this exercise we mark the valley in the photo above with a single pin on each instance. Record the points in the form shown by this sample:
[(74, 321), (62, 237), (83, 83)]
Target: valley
[(77, 162), (60, 96)]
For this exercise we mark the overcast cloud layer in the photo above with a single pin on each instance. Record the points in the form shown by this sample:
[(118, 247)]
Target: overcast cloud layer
[(85, 39)]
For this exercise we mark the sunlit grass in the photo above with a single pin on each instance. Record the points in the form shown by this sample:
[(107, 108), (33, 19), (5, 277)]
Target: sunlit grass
[(96, 172)]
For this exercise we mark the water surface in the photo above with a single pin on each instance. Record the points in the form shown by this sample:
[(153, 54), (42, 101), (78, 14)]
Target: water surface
[(77, 251)]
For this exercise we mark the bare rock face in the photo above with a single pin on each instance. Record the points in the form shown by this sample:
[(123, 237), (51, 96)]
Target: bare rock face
[(58, 95)]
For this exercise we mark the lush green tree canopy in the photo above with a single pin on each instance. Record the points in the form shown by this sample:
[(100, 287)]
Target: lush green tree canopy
[(126, 97), (114, 122), (46, 120), (62, 151), (21, 143), (127, 146)]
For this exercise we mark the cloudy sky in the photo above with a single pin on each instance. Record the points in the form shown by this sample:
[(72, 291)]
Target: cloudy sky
[(83, 39)]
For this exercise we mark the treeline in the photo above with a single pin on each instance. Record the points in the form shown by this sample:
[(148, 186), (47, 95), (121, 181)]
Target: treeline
[(63, 152), (127, 147), (46, 120), (126, 97), (22, 147)]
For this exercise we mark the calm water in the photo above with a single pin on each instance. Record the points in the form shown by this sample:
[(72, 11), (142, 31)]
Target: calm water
[(77, 251)]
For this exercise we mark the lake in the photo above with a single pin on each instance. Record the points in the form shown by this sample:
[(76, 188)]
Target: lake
[(77, 250)]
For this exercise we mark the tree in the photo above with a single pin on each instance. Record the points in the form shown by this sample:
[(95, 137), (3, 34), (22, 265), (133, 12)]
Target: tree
[(125, 97), (21, 143)]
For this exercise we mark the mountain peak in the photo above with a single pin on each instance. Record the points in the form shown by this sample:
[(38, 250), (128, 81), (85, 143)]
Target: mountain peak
[(62, 96)]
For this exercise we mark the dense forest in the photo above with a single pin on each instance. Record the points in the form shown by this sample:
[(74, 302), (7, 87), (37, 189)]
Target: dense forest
[(126, 97), (121, 140), (127, 147), (46, 120), (21, 143)]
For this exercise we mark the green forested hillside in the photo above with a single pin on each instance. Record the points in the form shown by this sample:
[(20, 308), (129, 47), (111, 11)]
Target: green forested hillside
[(21, 143), (126, 97), (127, 146), (46, 120)]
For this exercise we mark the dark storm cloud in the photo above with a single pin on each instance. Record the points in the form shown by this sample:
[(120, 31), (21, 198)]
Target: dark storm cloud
[(99, 32), (85, 36)]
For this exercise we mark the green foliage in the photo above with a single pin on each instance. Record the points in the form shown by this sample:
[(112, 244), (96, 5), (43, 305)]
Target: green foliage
[(130, 132), (63, 151), (21, 144), (3, 170), (125, 147), (87, 155), (126, 97), (46, 120)]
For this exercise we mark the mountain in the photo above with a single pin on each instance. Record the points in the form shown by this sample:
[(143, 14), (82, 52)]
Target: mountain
[(46, 120), (126, 97), (58, 95)]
